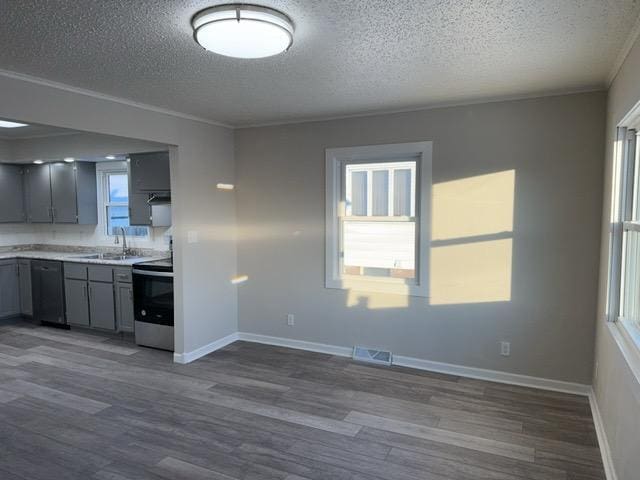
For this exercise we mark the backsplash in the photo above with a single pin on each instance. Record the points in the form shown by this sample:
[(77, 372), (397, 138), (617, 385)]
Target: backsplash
[(75, 235)]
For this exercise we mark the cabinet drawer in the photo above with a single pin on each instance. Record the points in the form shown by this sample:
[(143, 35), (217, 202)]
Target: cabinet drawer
[(75, 270), (101, 273), (122, 275)]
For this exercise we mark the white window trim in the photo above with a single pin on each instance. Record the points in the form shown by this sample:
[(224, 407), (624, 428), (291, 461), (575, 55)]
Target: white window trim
[(335, 159), (624, 201), (103, 169)]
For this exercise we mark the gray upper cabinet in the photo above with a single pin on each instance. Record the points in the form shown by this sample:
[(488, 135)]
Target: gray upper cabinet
[(62, 193), (139, 209), (149, 172), (38, 194), (9, 291), (11, 194), (26, 300)]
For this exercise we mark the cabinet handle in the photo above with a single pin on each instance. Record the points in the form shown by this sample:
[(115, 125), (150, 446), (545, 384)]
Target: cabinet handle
[(84, 289), (91, 293), (130, 295)]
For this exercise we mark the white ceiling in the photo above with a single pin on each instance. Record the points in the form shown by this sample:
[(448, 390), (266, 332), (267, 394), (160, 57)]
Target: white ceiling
[(32, 131), (348, 57)]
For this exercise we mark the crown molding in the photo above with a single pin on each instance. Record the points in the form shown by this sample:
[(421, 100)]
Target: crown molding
[(434, 106), (110, 98), (624, 52)]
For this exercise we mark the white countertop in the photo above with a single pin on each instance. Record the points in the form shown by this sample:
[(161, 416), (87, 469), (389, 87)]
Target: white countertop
[(71, 257)]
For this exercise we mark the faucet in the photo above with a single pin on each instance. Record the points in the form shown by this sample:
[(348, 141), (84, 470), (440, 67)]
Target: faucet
[(124, 241)]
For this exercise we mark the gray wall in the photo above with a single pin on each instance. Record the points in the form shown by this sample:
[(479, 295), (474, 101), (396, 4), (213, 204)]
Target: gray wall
[(541, 158), (5, 150), (77, 145), (206, 303), (616, 385)]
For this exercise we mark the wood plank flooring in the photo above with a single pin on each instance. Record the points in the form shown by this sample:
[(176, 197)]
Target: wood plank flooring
[(76, 405)]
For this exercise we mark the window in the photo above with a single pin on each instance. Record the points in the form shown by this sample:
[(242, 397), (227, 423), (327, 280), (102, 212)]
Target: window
[(623, 298), (116, 205), (378, 209)]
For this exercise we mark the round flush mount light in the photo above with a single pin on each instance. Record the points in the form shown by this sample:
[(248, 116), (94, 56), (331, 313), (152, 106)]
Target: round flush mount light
[(69, 159), (38, 162), (243, 31)]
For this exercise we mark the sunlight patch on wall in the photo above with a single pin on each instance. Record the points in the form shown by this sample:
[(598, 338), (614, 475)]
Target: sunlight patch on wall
[(475, 272), (473, 206)]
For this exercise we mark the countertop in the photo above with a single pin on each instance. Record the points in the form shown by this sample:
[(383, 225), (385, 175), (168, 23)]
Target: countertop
[(72, 257)]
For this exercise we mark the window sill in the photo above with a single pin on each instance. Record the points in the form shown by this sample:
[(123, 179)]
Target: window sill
[(627, 337)]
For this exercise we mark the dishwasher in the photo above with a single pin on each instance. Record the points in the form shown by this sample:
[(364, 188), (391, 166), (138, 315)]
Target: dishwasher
[(47, 285)]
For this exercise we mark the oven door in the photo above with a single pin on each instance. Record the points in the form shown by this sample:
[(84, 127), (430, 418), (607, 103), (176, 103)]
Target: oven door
[(153, 297)]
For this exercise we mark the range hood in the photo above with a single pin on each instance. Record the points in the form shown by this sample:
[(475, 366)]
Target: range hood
[(161, 198)]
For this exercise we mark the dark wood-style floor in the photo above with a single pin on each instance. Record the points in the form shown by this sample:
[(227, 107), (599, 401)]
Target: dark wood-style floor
[(78, 406)]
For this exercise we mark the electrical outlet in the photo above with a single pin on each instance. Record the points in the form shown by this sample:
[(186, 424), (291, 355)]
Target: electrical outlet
[(505, 349), (291, 319)]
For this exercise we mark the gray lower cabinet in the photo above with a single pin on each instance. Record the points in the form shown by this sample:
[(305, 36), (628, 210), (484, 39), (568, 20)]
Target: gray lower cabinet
[(124, 306), (11, 194), (77, 302), (9, 291), (26, 299), (102, 305), (99, 296)]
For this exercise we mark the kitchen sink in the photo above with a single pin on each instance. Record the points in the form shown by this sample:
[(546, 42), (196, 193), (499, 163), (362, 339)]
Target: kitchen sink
[(107, 256)]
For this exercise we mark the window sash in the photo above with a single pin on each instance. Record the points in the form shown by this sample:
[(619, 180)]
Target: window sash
[(419, 154), (106, 203)]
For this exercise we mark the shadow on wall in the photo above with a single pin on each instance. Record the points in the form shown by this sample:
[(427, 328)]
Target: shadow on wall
[(471, 245)]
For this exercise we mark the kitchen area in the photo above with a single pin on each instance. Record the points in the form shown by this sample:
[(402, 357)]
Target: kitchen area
[(85, 233)]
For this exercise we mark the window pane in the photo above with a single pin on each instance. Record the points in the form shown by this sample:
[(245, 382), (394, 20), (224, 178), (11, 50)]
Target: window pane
[(402, 193), (379, 248), (118, 216), (380, 203), (118, 188), (359, 193)]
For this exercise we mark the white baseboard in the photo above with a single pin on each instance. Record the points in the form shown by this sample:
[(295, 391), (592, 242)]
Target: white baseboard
[(605, 450), (299, 344), (460, 370), (189, 357)]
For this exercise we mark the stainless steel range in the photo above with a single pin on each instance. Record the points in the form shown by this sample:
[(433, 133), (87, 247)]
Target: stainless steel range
[(153, 303)]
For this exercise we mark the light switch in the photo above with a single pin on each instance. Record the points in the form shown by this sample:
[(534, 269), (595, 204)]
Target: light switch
[(192, 236)]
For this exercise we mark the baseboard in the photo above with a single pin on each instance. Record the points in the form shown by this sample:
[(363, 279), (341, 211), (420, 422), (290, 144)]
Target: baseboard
[(299, 344), (460, 370), (605, 450), (189, 357)]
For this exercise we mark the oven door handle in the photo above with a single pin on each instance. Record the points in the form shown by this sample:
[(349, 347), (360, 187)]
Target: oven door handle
[(150, 273)]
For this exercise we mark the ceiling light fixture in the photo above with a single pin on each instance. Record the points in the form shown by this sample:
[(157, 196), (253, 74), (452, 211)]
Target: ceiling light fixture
[(110, 157), (7, 124), (38, 162), (243, 31), (69, 159)]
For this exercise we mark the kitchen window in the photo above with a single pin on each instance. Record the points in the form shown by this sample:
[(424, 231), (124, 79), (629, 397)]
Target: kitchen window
[(378, 216), (115, 194)]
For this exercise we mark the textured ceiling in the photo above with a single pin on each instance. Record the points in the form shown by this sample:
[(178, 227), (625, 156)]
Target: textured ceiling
[(348, 57)]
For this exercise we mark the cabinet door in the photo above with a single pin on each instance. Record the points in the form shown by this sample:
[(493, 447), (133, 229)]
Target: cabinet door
[(26, 301), (139, 209), (150, 172), (102, 305), (9, 297), (11, 194), (77, 302), (38, 194), (124, 307), (63, 193)]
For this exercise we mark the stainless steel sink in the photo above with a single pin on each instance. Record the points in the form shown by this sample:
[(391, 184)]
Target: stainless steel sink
[(107, 256)]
